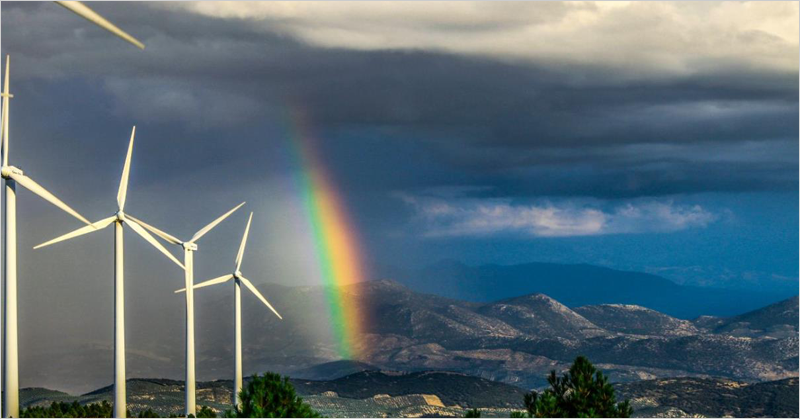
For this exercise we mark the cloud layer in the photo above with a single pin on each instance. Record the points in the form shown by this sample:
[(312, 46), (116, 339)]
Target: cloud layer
[(448, 217), (633, 38)]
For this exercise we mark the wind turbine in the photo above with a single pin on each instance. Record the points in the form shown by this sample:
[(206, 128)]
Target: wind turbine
[(189, 247), (85, 12), (118, 219), (13, 176), (238, 279)]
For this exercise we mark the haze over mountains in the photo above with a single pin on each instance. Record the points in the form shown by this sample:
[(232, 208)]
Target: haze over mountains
[(578, 285)]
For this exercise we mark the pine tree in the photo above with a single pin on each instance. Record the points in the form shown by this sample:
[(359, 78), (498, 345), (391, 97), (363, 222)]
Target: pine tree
[(582, 392), (473, 413), (206, 412), (271, 396)]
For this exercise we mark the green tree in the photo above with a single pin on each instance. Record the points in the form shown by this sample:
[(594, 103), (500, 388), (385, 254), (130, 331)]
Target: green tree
[(147, 413), (69, 410), (583, 392), (271, 396), (473, 413), (206, 412)]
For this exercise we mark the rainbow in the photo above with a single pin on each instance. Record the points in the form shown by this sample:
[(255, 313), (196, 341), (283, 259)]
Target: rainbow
[(335, 242)]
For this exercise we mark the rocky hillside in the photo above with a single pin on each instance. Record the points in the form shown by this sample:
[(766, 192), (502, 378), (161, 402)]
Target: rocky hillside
[(776, 320), (687, 397), (636, 320)]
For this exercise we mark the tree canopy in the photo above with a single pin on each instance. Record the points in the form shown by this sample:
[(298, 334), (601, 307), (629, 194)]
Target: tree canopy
[(271, 396), (582, 392)]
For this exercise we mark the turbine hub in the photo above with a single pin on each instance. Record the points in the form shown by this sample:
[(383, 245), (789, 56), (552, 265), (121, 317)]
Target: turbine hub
[(120, 216), (237, 274), (8, 170), (189, 246)]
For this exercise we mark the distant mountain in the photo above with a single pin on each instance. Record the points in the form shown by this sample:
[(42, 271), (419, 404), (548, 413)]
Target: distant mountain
[(688, 397), (579, 285), (636, 320), (540, 315), (775, 320), (332, 370)]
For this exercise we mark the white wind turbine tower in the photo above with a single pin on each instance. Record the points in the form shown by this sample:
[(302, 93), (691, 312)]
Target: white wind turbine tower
[(118, 219), (13, 176), (189, 247), (238, 279)]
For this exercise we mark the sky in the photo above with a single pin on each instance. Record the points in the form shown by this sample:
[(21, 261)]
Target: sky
[(657, 136)]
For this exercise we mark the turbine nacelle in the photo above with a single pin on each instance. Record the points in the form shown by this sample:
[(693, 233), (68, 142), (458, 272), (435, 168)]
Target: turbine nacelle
[(118, 217), (8, 171), (190, 246), (237, 274)]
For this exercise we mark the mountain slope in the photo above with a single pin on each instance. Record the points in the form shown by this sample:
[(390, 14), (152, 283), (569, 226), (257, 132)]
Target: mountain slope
[(684, 397), (542, 316), (451, 388), (775, 320), (636, 320)]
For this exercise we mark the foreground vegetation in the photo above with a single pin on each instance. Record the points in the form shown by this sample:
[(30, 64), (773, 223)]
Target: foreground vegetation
[(271, 396), (95, 410), (583, 391)]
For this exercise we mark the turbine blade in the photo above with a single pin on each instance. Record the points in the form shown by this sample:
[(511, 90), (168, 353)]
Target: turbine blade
[(214, 281), (34, 187), (252, 287), (126, 171), (213, 224), (168, 237), (81, 10), (98, 225), (6, 97), (152, 240), (244, 242)]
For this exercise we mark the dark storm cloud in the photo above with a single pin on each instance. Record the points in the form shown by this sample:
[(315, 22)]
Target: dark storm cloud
[(478, 114)]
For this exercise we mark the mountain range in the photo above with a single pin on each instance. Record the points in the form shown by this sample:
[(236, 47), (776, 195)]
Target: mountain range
[(578, 285), (515, 340)]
